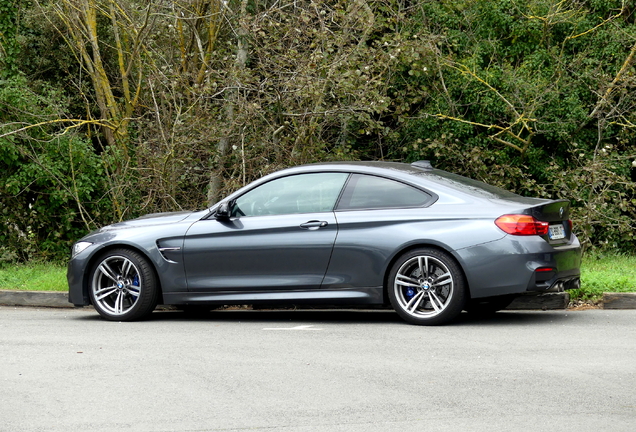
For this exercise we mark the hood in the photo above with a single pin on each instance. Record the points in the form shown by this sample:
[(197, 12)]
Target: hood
[(150, 220)]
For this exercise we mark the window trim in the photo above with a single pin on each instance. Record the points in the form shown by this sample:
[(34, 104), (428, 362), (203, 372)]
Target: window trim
[(347, 193)]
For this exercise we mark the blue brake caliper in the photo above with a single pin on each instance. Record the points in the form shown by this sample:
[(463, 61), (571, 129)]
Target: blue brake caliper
[(135, 282), (410, 293)]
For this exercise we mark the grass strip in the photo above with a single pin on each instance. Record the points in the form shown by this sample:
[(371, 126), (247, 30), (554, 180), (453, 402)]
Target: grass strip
[(605, 273), (35, 276)]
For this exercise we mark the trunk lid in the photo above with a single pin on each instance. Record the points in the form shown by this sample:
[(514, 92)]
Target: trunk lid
[(557, 214)]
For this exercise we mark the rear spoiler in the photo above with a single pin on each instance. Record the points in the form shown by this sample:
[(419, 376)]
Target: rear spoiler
[(551, 211)]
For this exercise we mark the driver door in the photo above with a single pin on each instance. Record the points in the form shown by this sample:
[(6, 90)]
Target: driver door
[(280, 237)]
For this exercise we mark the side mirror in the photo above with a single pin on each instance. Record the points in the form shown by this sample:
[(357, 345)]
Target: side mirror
[(223, 211)]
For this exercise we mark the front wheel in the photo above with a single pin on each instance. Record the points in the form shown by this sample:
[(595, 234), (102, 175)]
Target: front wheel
[(123, 286), (426, 287)]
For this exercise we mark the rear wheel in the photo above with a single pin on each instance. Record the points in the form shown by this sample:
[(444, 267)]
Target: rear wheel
[(426, 287), (123, 286)]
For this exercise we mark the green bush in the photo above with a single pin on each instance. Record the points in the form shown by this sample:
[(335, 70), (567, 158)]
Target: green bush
[(51, 184), (513, 100), (536, 96)]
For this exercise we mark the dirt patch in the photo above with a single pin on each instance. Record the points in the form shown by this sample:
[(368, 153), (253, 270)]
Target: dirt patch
[(584, 305)]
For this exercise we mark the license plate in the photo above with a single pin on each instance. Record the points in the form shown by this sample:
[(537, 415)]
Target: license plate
[(556, 232)]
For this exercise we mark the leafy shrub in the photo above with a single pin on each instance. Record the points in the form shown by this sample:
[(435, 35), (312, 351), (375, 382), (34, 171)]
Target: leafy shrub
[(51, 185), (188, 103)]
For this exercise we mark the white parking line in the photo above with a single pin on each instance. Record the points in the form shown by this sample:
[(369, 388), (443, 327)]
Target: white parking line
[(302, 327)]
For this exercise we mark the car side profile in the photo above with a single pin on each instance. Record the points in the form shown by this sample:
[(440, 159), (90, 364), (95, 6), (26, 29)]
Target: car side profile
[(428, 242)]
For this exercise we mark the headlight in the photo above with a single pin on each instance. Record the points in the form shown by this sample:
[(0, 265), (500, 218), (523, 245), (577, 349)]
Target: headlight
[(80, 246)]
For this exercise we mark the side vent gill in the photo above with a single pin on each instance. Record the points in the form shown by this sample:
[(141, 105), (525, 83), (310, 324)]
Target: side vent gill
[(170, 249)]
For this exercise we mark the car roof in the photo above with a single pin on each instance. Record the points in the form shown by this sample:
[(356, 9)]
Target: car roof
[(419, 173), (388, 169)]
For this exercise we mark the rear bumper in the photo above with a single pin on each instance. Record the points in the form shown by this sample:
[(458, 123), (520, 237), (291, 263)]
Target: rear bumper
[(559, 280), (515, 264)]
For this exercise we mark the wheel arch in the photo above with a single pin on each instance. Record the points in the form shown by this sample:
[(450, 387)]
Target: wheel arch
[(98, 253), (408, 248)]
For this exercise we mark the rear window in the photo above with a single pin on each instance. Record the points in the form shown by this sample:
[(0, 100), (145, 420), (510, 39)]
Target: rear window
[(370, 192), (467, 185)]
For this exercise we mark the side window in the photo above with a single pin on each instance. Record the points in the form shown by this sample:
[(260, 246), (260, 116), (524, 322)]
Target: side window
[(302, 193), (370, 192)]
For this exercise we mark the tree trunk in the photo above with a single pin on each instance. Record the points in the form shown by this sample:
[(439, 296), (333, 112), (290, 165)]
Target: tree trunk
[(215, 186)]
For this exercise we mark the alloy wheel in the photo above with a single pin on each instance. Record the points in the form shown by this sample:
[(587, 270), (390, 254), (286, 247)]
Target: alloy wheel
[(423, 286), (116, 285)]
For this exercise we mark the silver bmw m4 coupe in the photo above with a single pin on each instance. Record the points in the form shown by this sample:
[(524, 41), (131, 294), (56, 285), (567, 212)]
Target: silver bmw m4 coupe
[(425, 241)]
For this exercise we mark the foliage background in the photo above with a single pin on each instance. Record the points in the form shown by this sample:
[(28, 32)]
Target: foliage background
[(111, 109)]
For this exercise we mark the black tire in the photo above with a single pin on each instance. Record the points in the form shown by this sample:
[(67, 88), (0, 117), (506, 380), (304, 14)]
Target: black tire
[(123, 286), (489, 306), (426, 287)]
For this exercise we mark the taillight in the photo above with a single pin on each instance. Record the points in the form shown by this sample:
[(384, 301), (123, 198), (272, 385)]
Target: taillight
[(545, 269), (522, 225)]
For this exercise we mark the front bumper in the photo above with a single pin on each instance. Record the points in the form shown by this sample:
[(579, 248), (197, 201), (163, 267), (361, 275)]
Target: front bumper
[(75, 274)]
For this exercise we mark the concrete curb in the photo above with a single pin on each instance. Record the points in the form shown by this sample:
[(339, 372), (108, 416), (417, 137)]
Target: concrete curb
[(530, 301), (619, 300), (55, 299), (543, 301)]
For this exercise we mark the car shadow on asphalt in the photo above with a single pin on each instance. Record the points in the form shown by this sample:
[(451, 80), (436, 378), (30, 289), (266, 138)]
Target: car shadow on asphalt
[(287, 316), (354, 316), (346, 316)]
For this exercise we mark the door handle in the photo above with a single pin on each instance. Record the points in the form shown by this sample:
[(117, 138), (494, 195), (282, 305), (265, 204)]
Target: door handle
[(314, 225)]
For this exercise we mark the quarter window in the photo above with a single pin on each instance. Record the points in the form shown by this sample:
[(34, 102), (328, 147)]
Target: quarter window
[(370, 192), (302, 193)]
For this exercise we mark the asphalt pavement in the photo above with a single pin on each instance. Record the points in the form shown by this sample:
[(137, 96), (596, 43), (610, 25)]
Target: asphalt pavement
[(67, 369)]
